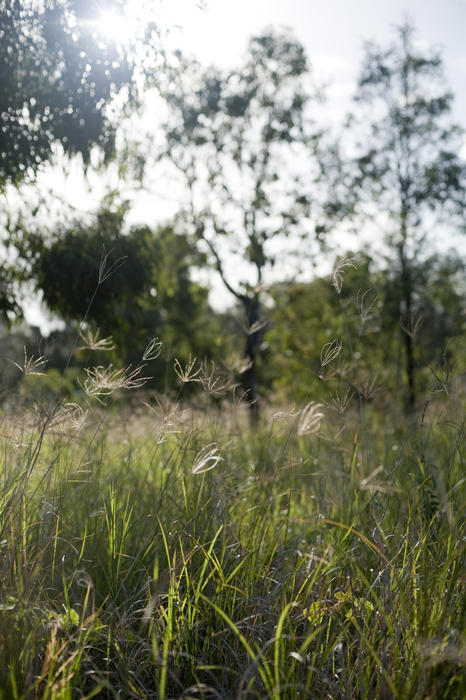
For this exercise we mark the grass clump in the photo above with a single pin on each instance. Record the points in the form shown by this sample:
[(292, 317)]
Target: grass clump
[(188, 557)]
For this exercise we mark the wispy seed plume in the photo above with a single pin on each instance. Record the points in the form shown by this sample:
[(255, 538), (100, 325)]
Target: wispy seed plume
[(188, 373), (337, 276), (311, 419), (92, 341), (206, 459), (31, 365), (153, 350), (330, 351)]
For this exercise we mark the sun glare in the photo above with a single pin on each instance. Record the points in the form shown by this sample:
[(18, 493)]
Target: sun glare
[(118, 27), (177, 20)]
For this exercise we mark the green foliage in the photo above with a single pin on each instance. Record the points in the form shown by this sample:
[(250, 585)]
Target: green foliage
[(132, 286), (9, 307), (239, 133), (292, 566), (307, 318), (57, 74), (407, 167), (412, 164), (238, 138), (14, 343), (168, 551), (71, 266), (48, 387)]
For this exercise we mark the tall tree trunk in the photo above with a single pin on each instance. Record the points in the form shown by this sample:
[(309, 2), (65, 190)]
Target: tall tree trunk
[(410, 373), (252, 308), (406, 318)]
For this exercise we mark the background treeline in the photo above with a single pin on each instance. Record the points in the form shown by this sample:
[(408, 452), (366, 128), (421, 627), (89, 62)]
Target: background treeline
[(302, 319), (264, 188)]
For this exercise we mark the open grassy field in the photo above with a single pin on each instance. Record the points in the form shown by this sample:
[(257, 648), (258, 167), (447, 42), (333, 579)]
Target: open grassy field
[(171, 552)]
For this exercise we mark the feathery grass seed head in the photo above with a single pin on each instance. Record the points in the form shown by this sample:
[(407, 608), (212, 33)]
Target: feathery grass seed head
[(153, 350), (206, 459), (93, 342), (31, 364), (330, 351), (337, 276), (311, 419), (103, 381), (188, 373)]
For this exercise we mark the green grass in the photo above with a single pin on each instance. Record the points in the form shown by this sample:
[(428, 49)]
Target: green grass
[(328, 565)]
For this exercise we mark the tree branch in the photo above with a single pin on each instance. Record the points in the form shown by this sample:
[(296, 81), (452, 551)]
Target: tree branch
[(219, 267)]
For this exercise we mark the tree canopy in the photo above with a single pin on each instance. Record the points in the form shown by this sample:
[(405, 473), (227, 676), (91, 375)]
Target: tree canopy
[(241, 140), (253, 166), (407, 165), (58, 72), (132, 285), (323, 343)]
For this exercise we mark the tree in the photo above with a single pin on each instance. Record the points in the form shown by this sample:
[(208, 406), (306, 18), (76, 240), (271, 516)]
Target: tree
[(59, 72), (408, 166), (132, 286), (317, 350), (240, 140), (9, 307)]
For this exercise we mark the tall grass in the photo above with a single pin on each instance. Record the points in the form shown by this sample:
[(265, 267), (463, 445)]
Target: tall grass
[(166, 551), (325, 562)]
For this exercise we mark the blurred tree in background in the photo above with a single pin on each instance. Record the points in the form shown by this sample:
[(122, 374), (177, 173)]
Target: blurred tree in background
[(9, 306), (407, 168), (309, 322), (258, 199), (132, 286), (59, 72), (238, 138)]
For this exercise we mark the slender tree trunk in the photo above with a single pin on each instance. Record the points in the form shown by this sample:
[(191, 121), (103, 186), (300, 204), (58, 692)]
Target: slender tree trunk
[(408, 330), (252, 308), (410, 373), (253, 342)]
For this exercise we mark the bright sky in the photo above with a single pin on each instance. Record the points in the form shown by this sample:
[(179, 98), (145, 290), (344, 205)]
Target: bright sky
[(333, 32)]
